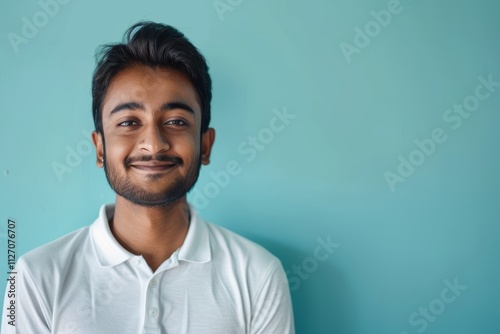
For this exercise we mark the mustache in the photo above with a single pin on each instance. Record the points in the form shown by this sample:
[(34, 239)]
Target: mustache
[(156, 157)]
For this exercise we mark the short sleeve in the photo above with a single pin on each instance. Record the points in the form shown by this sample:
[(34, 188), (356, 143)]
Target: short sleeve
[(31, 314), (272, 307)]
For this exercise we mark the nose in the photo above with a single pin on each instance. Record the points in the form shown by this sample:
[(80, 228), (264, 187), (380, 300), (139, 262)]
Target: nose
[(153, 140)]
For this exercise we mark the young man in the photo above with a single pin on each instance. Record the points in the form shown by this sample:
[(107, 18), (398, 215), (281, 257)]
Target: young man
[(149, 263)]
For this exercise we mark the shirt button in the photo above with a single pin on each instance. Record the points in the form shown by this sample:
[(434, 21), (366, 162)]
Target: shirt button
[(153, 312), (153, 283)]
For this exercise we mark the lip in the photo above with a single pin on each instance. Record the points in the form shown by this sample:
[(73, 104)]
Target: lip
[(153, 166)]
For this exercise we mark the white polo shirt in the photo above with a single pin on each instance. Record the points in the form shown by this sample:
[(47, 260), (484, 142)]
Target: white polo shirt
[(85, 282)]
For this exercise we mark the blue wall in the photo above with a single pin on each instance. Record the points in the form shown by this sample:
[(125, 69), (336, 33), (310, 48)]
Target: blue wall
[(378, 191)]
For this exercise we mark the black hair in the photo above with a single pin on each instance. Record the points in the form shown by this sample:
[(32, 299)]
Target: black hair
[(154, 45)]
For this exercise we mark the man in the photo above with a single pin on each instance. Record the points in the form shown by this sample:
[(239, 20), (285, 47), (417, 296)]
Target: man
[(149, 263)]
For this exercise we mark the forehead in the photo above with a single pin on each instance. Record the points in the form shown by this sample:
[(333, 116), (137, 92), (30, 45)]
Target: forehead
[(151, 86)]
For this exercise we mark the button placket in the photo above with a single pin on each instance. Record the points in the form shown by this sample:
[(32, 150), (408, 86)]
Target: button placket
[(153, 308)]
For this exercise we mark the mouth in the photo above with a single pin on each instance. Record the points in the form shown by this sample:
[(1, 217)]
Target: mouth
[(155, 167)]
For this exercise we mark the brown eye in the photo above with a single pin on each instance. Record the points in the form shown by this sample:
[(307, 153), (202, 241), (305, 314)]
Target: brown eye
[(177, 122), (128, 123)]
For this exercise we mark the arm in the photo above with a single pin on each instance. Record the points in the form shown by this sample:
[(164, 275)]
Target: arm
[(272, 311), (31, 314)]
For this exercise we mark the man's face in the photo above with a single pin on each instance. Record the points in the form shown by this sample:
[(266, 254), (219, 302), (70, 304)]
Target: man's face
[(152, 147)]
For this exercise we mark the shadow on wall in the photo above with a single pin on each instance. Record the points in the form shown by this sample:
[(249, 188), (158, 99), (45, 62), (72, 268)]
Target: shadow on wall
[(321, 301)]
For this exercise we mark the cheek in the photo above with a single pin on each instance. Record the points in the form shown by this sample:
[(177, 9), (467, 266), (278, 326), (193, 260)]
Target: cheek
[(187, 147), (118, 149)]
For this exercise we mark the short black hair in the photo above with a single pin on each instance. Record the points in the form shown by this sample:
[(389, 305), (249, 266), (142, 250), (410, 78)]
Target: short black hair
[(154, 45)]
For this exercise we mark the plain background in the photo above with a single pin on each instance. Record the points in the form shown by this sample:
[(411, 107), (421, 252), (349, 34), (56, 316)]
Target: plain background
[(323, 176)]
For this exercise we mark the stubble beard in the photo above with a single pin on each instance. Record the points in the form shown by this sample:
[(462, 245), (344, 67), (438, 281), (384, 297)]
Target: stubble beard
[(177, 188)]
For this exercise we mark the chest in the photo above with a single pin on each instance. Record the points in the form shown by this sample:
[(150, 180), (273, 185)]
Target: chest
[(126, 300)]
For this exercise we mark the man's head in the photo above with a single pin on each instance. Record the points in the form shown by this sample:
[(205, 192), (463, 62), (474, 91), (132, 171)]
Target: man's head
[(151, 108), (154, 45)]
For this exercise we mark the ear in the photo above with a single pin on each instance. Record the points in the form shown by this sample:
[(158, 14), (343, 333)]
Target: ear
[(207, 140), (99, 151)]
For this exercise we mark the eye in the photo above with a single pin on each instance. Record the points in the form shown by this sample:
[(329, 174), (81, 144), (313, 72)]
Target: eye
[(177, 122), (128, 123)]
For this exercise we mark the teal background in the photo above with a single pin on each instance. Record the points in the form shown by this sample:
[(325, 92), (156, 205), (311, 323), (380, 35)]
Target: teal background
[(323, 175)]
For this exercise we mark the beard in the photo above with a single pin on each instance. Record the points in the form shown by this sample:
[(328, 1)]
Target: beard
[(176, 189)]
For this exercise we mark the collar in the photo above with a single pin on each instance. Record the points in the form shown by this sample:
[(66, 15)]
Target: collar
[(196, 246)]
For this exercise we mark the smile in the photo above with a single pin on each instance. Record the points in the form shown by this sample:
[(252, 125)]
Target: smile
[(153, 167)]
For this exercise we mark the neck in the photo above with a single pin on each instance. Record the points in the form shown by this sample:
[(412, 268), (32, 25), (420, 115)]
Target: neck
[(154, 233)]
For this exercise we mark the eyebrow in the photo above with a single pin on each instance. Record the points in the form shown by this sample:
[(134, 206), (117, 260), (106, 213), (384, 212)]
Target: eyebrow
[(139, 106)]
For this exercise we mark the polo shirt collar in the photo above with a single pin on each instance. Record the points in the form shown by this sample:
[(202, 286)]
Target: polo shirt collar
[(196, 246), (108, 250)]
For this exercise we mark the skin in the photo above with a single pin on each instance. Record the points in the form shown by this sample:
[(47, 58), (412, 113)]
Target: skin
[(141, 130)]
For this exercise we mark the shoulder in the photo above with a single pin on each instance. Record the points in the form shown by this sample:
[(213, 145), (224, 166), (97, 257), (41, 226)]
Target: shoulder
[(260, 272), (55, 254), (229, 245)]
